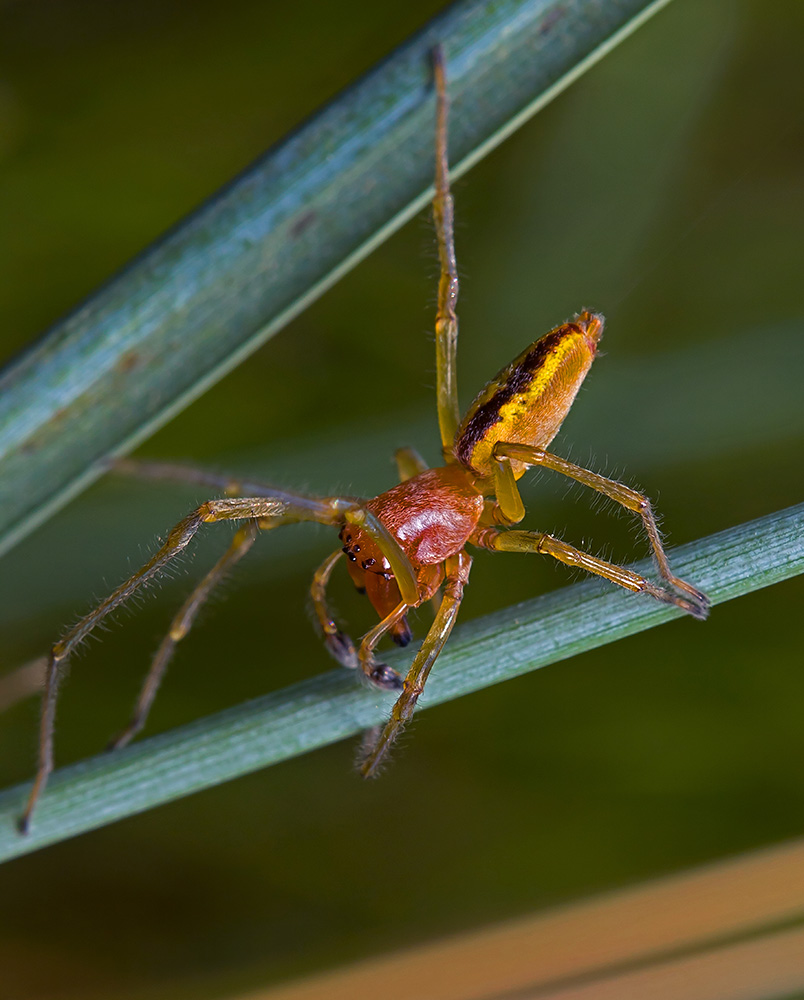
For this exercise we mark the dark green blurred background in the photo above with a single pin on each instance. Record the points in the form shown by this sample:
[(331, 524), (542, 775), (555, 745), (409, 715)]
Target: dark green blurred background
[(666, 189)]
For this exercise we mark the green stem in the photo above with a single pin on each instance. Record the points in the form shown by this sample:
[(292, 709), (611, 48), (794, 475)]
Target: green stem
[(333, 706), (207, 294)]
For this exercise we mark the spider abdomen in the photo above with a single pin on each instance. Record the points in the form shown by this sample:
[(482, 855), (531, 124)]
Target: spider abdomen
[(526, 403)]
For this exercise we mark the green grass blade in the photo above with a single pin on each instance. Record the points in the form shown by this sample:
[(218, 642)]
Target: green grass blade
[(205, 296), (333, 706)]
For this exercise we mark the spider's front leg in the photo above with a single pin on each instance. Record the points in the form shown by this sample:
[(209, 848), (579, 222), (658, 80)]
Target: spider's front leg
[(380, 673), (457, 575), (339, 644), (274, 507), (392, 609), (446, 315), (178, 539), (180, 627)]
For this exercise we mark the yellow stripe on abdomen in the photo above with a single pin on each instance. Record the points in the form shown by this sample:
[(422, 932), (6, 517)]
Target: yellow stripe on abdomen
[(527, 402)]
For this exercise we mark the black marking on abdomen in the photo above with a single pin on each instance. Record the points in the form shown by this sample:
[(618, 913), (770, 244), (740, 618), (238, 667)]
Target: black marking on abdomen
[(516, 379)]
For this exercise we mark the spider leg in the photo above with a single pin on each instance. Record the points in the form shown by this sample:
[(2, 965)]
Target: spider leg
[(698, 603), (498, 540), (273, 508), (231, 486), (179, 627), (409, 463), (380, 673), (338, 644), (510, 508), (458, 567), (178, 539), (297, 507), (446, 316)]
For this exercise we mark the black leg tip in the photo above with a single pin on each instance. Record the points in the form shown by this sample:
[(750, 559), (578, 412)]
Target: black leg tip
[(402, 635), (386, 678), (698, 606), (700, 611), (341, 648)]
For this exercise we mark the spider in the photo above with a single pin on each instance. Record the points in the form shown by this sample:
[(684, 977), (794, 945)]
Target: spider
[(407, 545)]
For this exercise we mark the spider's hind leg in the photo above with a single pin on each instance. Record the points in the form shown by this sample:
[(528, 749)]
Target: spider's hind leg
[(538, 543), (693, 601)]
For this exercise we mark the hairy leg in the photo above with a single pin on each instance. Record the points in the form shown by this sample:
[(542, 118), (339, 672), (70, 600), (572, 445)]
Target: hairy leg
[(177, 541), (535, 542), (179, 627), (697, 603), (446, 316), (458, 568), (298, 507), (274, 507)]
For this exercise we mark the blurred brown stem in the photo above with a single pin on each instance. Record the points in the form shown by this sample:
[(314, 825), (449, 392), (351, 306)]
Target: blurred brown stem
[(22, 683)]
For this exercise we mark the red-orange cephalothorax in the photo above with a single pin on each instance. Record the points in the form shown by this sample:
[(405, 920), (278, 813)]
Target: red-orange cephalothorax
[(431, 515)]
